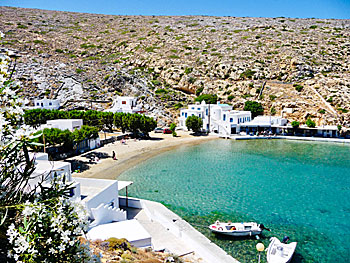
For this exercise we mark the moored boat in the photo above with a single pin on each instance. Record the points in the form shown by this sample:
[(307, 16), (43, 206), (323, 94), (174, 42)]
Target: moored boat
[(280, 252), (237, 229)]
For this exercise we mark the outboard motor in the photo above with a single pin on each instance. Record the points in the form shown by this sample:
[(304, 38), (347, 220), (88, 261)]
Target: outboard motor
[(285, 240), (263, 227)]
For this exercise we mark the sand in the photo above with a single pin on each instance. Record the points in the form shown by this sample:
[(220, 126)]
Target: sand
[(133, 152)]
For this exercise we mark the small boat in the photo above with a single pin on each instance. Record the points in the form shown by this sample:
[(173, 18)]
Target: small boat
[(280, 252), (237, 229)]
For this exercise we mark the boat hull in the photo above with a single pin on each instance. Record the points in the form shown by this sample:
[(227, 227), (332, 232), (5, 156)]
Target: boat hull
[(237, 233), (278, 252), (236, 229)]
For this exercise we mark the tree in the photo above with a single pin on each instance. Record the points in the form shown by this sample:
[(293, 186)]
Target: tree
[(107, 119), (310, 123), (194, 123), (254, 107), (208, 98), (172, 128), (295, 124), (148, 124)]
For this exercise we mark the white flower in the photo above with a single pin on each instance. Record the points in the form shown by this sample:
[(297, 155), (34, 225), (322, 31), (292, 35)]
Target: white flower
[(49, 240), (52, 251)]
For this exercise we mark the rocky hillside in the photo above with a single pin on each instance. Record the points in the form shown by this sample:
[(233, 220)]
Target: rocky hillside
[(88, 59)]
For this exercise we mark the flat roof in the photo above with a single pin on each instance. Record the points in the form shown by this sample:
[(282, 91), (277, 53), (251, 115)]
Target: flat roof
[(123, 184), (132, 230)]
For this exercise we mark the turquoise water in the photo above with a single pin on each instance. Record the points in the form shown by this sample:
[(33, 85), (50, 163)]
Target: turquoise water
[(299, 189)]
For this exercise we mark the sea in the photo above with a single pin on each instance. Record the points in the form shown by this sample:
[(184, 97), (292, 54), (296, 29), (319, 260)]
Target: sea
[(297, 189)]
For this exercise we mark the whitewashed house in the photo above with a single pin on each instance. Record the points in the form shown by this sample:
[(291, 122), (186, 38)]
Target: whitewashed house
[(125, 105), (48, 104), (218, 118), (101, 198), (71, 125), (264, 123), (65, 124), (96, 194)]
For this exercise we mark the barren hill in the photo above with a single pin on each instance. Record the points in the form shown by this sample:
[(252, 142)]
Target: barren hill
[(167, 60)]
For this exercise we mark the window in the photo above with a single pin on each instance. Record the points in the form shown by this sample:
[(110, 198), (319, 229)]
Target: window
[(224, 117), (198, 108), (238, 121), (37, 104), (185, 114), (231, 119), (199, 115), (42, 104), (192, 108), (182, 114), (50, 103), (206, 112), (123, 102)]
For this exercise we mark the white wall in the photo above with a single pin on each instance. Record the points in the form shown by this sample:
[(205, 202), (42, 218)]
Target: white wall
[(46, 104), (65, 124)]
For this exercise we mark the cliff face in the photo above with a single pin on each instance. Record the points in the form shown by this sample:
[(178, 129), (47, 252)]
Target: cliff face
[(166, 60)]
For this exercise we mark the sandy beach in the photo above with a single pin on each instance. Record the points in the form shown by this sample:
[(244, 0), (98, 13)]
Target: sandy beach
[(131, 153)]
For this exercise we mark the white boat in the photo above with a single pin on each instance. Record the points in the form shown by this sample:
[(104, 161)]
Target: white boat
[(280, 252), (237, 229)]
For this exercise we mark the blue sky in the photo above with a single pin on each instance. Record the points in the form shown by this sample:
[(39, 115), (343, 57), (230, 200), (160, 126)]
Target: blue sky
[(252, 8)]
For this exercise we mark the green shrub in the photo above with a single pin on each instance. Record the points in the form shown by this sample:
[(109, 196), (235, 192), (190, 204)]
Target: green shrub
[(298, 87), (310, 123), (208, 98), (57, 50), (322, 111), (273, 110), (295, 124), (254, 107), (199, 91), (188, 70), (118, 243), (272, 97), (178, 105), (231, 97), (248, 74)]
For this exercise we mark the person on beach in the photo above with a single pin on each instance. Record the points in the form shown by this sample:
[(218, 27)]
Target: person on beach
[(114, 156)]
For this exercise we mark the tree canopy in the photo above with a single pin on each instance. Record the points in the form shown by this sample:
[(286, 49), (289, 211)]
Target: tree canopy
[(208, 98), (194, 123), (254, 107), (101, 120)]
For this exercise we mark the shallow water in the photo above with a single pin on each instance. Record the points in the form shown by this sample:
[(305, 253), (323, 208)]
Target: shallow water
[(299, 189)]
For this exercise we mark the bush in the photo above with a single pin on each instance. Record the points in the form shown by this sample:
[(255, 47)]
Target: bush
[(254, 107), (298, 87), (295, 124), (273, 110), (310, 123), (199, 91), (208, 98), (248, 74), (231, 97)]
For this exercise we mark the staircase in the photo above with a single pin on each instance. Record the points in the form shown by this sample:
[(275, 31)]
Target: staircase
[(105, 213)]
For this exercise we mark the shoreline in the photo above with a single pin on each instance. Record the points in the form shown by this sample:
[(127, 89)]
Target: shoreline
[(133, 153)]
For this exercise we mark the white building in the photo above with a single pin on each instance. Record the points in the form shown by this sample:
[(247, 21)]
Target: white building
[(47, 104), (125, 105), (99, 196), (218, 118), (264, 123), (64, 124)]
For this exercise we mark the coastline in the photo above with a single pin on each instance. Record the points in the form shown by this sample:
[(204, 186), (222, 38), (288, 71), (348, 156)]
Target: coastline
[(133, 152)]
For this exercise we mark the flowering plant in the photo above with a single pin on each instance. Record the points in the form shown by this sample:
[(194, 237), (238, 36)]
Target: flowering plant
[(38, 223)]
